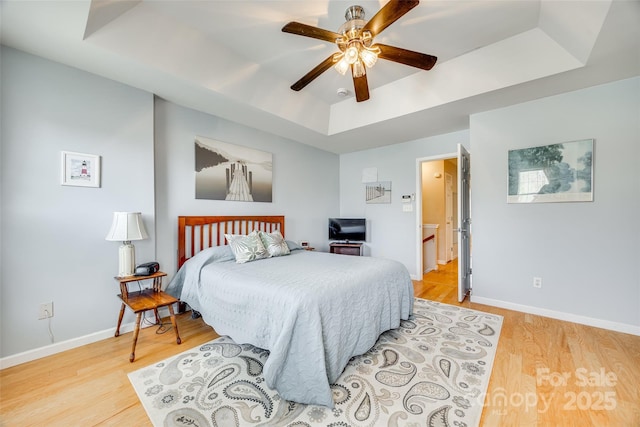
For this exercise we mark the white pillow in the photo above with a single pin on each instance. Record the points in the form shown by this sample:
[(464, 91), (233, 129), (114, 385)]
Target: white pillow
[(247, 248), (275, 244)]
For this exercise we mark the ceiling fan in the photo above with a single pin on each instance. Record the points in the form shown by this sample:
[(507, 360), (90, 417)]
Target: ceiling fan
[(357, 50)]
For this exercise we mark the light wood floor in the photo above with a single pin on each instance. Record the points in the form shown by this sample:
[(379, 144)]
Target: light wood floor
[(88, 386), (549, 372)]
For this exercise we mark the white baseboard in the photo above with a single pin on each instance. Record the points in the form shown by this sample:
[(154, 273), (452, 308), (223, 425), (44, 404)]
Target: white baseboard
[(59, 347), (569, 317)]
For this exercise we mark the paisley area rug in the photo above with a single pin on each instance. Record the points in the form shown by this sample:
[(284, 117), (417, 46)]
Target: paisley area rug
[(432, 371)]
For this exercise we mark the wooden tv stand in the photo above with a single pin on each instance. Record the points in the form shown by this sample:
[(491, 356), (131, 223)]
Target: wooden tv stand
[(346, 248)]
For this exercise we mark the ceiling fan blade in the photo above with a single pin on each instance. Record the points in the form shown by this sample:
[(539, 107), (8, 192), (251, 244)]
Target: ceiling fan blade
[(361, 87), (311, 75), (310, 31), (389, 14), (407, 57)]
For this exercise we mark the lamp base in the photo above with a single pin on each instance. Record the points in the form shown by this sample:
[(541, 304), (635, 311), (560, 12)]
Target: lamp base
[(127, 260)]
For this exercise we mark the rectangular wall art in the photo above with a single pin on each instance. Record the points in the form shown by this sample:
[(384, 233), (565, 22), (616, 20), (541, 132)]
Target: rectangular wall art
[(378, 192), (552, 173), (232, 172), (80, 170)]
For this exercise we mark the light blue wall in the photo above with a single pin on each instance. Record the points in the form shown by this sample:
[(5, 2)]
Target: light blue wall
[(391, 232), (587, 253), (53, 246), (305, 179)]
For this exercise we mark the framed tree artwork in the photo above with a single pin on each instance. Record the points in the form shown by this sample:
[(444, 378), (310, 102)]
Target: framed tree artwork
[(552, 173)]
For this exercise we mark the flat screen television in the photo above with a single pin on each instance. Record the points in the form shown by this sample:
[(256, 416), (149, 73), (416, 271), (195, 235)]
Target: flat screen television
[(348, 229)]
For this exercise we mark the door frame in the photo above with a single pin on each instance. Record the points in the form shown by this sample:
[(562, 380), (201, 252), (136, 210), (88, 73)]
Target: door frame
[(418, 197)]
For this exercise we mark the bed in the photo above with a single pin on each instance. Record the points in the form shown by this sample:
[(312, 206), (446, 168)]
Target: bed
[(312, 311)]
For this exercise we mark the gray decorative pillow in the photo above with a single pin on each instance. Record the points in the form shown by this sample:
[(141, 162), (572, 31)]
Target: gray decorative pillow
[(275, 244), (247, 248)]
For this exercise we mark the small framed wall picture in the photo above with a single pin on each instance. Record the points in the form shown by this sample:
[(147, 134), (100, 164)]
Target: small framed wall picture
[(80, 170)]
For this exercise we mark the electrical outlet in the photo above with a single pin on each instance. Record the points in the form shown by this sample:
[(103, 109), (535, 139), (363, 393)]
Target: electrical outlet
[(537, 282), (46, 310)]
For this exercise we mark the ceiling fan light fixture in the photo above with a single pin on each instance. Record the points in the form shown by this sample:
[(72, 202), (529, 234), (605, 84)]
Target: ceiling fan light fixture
[(352, 53), (358, 69), (341, 65), (369, 57)]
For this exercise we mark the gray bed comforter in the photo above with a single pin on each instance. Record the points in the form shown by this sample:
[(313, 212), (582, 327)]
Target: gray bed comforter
[(313, 311)]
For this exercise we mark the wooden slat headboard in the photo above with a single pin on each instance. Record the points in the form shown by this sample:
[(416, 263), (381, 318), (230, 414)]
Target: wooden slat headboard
[(196, 233)]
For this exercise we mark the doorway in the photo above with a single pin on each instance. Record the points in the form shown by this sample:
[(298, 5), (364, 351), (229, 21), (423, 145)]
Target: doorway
[(442, 205), (438, 213)]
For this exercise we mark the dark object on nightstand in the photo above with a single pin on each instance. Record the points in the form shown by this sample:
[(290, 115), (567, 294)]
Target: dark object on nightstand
[(147, 269)]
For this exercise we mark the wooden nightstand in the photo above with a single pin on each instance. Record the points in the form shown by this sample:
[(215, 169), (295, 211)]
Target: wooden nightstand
[(144, 300)]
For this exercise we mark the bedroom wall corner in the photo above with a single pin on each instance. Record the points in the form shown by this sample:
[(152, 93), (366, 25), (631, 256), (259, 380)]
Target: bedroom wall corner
[(53, 245)]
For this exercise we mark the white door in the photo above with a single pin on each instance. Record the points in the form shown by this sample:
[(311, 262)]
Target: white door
[(464, 223), (448, 214)]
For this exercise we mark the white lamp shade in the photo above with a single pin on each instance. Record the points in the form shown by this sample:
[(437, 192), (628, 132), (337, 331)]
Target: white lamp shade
[(127, 226)]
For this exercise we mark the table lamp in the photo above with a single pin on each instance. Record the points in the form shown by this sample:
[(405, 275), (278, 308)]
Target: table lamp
[(126, 226)]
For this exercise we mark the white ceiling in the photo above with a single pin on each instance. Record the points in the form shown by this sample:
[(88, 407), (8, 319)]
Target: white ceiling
[(230, 58)]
